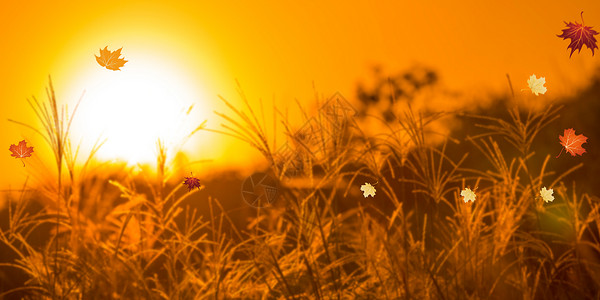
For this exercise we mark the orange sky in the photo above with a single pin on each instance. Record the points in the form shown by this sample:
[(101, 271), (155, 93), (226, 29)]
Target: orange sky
[(277, 50)]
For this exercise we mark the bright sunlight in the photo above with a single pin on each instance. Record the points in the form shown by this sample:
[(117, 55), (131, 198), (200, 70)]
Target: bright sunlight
[(388, 150), (146, 100)]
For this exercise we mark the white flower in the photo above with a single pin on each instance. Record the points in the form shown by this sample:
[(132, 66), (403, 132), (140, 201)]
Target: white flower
[(367, 189), (537, 85), (547, 194), (468, 195)]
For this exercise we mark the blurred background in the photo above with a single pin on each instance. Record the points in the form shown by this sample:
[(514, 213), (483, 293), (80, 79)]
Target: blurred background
[(397, 64), (187, 53)]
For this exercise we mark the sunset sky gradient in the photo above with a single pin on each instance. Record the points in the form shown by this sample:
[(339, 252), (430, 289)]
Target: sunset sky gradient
[(276, 50)]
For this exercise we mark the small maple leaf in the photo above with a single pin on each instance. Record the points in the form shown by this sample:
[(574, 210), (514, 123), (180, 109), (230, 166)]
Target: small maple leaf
[(368, 189), (468, 195), (572, 142), (192, 182), (580, 35), (537, 85), (21, 150), (110, 59), (547, 194)]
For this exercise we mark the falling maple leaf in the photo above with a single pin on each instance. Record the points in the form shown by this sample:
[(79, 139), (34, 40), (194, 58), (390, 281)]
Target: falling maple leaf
[(537, 85), (547, 194), (192, 182), (21, 150), (580, 35), (368, 189), (468, 195), (572, 142), (110, 59)]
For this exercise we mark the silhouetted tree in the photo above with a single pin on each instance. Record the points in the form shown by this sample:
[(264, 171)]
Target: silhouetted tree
[(402, 86)]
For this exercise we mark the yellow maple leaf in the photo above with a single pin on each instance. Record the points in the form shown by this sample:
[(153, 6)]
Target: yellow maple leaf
[(537, 85), (110, 59), (547, 194), (367, 189), (468, 195)]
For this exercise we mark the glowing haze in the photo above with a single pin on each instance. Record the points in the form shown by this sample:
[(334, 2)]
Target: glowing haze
[(188, 52), (132, 108)]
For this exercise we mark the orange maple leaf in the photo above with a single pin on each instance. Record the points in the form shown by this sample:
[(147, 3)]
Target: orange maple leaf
[(21, 150), (580, 35), (572, 142), (110, 59)]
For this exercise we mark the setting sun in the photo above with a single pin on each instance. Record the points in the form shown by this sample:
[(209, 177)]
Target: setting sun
[(300, 150), (132, 108)]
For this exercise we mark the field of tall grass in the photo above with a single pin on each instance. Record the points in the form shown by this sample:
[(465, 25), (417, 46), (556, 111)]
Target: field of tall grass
[(106, 233)]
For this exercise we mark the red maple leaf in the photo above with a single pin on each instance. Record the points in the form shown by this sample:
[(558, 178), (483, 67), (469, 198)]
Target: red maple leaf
[(192, 182), (572, 142), (580, 35), (21, 150)]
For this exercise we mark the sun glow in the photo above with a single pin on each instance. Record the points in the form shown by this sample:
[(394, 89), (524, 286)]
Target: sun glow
[(147, 100)]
